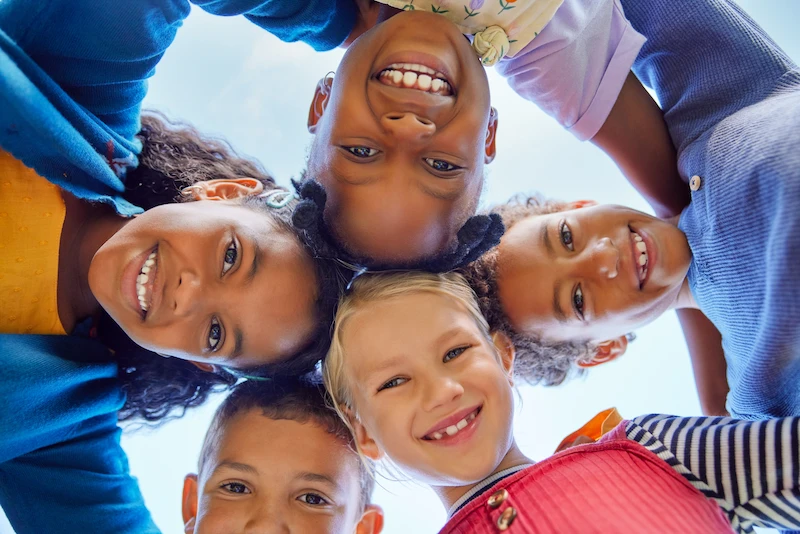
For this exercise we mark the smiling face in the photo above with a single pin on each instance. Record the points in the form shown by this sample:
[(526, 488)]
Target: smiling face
[(429, 389), (282, 475), (589, 274), (208, 281), (401, 145)]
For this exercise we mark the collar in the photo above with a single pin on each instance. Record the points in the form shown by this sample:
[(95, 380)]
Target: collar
[(483, 486)]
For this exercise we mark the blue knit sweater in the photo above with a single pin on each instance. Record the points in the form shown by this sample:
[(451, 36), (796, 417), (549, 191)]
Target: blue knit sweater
[(73, 75), (731, 99)]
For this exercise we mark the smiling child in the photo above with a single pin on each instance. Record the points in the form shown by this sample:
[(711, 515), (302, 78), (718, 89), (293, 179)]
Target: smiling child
[(416, 373), (277, 456)]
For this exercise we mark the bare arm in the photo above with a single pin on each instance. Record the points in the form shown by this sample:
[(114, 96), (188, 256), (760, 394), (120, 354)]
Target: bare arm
[(708, 360), (636, 138)]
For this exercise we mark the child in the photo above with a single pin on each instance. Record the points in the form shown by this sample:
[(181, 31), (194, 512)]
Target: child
[(277, 456), (414, 369), (409, 104)]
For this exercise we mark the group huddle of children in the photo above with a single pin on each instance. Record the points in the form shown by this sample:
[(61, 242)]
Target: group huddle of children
[(371, 313)]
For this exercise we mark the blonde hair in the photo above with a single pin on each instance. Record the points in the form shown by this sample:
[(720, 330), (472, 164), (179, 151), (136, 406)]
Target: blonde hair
[(371, 288)]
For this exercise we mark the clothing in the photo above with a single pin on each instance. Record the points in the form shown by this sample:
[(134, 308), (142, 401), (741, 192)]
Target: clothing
[(62, 469), (518, 23), (656, 473), (30, 233), (73, 76), (731, 100)]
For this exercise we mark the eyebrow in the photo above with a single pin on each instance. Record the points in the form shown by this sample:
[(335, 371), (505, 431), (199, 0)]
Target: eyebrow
[(236, 466), (546, 240), (258, 255), (318, 477)]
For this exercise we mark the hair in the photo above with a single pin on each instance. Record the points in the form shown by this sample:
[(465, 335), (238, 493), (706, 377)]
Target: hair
[(176, 155), (301, 399), (371, 288), (537, 361), (479, 234)]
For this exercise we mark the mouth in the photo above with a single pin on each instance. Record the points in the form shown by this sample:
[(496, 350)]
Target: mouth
[(416, 77), (641, 257), (145, 282), (456, 425)]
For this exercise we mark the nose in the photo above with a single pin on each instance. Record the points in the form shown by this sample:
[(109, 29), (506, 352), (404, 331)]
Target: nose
[(605, 258), (440, 391), (407, 126), (268, 518), (189, 294)]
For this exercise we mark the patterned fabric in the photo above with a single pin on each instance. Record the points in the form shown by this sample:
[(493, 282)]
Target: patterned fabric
[(31, 217), (731, 100), (520, 20)]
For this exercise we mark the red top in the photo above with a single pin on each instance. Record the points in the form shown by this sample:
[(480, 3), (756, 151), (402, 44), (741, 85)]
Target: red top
[(612, 486)]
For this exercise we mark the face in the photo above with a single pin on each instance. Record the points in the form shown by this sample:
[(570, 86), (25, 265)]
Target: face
[(401, 154), (271, 475), (208, 281), (590, 274), (430, 390)]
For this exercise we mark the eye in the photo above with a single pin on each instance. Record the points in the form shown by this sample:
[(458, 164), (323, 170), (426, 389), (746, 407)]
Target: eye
[(577, 301), (393, 383), (214, 334), (235, 487), (362, 151), (231, 254), (313, 499), (454, 353), (565, 234), (441, 165)]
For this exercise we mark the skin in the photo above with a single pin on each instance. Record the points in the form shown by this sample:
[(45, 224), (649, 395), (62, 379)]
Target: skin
[(415, 360), (377, 148), (200, 295), (267, 475), (532, 278)]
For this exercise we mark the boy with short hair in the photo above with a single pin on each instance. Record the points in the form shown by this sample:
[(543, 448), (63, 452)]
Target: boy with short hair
[(276, 455)]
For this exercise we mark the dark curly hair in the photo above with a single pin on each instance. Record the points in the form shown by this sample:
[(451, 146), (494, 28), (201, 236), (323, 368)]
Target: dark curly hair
[(175, 155), (537, 361)]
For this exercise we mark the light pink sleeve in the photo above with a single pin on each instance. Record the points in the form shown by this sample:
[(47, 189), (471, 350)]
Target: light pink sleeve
[(574, 69)]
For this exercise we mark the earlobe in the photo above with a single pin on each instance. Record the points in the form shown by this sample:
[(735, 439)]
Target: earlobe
[(366, 445), (491, 137), (189, 503), (207, 367), (371, 520), (607, 351), (223, 189), (321, 95), (577, 204), (505, 347)]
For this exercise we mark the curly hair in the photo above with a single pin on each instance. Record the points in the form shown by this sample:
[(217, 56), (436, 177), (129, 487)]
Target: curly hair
[(176, 155), (537, 361)]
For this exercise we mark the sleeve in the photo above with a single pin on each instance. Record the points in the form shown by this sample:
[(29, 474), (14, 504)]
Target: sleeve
[(751, 469), (705, 59), (62, 468), (575, 68)]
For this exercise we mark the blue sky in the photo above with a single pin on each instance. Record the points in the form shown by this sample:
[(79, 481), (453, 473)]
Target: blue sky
[(228, 77)]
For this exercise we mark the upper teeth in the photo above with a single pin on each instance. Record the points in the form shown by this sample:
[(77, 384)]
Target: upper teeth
[(413, 76), (452, 430), (642, 260), (141, 280)]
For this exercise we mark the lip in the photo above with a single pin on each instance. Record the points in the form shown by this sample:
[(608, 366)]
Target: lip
[(128, 281), (463, 435), (453, 419), (651, 256), (421, 58)]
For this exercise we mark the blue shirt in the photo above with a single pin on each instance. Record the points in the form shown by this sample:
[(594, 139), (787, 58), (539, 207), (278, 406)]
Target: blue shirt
[(731, 100)]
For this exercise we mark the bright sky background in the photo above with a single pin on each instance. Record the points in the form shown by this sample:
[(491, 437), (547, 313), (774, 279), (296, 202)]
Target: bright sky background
[(228, 77)]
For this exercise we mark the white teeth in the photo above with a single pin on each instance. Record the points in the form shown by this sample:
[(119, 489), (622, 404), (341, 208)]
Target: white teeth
[(642, 259), (437, 436), (397, 76), (462, 424), (436, 84), (637, 237), (451, 430), (641, 246), (424, 82), (409, 78), (146, 269), (142, 279)]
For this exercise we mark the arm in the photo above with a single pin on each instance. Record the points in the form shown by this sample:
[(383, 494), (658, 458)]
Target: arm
[(635, 136), (708, 360), (751, 469)]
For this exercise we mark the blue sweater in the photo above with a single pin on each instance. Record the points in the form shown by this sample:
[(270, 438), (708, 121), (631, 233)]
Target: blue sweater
[(731, 99), (73, 75)]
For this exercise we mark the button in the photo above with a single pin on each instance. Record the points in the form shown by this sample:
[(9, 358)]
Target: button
[(695, 182), (506, 518), (497, 498)]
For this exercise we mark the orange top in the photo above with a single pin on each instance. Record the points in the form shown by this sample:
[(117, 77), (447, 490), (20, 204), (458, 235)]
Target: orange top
[(32, 214), (596, 428)]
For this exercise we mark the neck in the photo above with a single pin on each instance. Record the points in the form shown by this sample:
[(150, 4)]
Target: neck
[(685, 299), (450, 494)]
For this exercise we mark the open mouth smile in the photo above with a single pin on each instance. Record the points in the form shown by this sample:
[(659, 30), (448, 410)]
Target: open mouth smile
[(145, 281), (448, 428), (641, 258), (417, 77)]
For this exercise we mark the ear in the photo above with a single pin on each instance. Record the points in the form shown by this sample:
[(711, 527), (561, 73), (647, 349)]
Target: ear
[(365, 443), (224, 189), (207, 367), (321, 95), (189, 503), (371, 521), (505, 347), (606, 351), (491, 137), (581, 204)]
